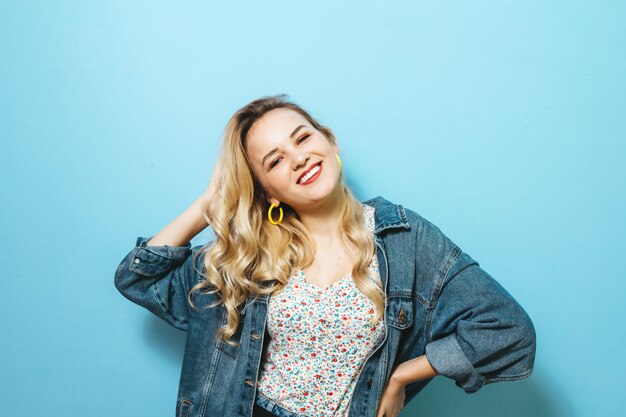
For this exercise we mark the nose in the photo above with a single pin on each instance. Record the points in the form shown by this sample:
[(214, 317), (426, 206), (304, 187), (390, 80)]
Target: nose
[(299, 159)]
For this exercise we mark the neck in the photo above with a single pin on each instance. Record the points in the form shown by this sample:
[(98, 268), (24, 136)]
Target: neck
[(323, 220)]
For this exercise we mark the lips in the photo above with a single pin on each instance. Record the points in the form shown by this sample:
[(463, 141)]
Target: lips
[(305, 172)]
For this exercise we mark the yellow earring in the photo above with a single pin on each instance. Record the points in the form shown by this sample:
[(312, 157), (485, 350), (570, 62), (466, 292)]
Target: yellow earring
[(269, 214), (338, 160)]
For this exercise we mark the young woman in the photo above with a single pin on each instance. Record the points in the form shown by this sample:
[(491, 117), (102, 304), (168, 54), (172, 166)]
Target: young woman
[(310, 302)]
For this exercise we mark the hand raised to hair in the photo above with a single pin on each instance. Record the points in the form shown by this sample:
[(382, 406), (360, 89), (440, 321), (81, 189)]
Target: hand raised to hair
[(210, 194), (216, 177)]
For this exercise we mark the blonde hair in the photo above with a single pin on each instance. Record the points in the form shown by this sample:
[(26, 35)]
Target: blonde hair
[(249, 251)]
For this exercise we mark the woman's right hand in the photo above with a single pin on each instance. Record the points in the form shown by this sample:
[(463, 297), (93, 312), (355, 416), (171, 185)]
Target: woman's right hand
[(210, 194), (194, 219), (216, 176)]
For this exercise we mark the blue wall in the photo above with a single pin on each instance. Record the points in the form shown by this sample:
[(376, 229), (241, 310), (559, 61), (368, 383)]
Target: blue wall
[(501, 122)]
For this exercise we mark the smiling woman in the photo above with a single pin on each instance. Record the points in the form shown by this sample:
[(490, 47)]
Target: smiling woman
[(282, 144), (293, 154), (337, 308)]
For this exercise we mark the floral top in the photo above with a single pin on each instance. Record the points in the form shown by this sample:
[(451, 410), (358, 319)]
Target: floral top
[(319, 340)]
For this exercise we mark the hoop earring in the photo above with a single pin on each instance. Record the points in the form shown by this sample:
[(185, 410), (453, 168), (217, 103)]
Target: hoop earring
[(269, 214), (338, 160)]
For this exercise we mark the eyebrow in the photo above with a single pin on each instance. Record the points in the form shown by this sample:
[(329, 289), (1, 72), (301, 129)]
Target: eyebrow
[(273, 151)]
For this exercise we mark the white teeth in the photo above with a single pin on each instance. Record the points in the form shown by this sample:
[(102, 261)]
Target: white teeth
[(310, 174)]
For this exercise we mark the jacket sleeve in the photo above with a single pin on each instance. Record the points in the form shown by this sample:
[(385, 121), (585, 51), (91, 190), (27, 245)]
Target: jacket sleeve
[(479, 333), (158, 278)]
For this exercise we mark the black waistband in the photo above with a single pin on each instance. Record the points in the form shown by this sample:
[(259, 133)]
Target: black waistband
[(261, 412)]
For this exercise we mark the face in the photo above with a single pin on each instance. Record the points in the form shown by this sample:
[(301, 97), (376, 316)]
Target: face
[(282, 146)]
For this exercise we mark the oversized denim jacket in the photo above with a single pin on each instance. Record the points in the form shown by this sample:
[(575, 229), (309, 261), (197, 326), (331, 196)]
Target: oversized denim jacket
[(441, 303)]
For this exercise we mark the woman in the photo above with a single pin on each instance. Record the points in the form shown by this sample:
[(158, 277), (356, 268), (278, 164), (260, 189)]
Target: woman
[(309, 302)]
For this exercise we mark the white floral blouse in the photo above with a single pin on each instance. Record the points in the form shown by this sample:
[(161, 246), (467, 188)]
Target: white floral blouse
[(319, 340)]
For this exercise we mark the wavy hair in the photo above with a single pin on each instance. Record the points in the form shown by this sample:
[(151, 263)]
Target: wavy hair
[(252, 256)]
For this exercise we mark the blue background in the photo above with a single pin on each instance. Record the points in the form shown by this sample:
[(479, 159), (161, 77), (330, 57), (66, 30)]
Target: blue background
[(501, 122)]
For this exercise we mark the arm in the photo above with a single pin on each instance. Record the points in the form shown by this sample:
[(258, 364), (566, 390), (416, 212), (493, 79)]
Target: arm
[(184, 227), (476, 332), (480, 333), (394, 396), (193, 220), (159, 272), (412, 371)]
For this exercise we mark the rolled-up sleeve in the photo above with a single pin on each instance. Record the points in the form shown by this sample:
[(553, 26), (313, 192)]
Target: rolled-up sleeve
[(159, 278), (479, 334)]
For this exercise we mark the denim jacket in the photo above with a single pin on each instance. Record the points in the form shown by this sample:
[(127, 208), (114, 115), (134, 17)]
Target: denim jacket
[(441, 303)]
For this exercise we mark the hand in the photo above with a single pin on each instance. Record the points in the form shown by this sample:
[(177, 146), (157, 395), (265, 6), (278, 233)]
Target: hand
[(392, 400), (216, 176), (210, 194)]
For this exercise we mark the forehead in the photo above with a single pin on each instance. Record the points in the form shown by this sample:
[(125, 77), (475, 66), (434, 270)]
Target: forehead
[(272, 130)]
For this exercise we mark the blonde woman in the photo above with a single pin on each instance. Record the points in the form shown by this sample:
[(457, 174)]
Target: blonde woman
[(309, 302)]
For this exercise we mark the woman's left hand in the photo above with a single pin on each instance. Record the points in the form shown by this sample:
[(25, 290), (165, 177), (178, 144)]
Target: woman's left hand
[(392, 400)]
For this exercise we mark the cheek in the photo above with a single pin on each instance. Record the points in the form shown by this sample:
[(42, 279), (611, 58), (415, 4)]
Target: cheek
[(275, 180), (280, 177), (261, 180)]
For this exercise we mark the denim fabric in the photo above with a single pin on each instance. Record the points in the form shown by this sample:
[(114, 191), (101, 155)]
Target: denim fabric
[(440, 303), (273, 407)]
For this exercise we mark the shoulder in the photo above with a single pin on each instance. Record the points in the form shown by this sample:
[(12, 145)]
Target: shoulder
[(406, 229), (397, 214)]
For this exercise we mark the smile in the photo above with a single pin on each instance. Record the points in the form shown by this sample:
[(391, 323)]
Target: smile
[(312, 175)]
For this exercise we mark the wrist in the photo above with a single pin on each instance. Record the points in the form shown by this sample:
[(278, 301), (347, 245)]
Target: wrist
[(204, 203), (413, 370), (397, 380)]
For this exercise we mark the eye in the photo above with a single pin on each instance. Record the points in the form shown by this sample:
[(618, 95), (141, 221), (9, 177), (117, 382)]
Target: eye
[(274, 163), (300, 140)]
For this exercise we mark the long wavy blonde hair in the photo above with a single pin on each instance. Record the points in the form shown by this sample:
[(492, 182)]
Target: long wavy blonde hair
[(249, 252)]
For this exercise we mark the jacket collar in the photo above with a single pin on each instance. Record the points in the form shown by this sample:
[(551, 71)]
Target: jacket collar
[(387, 215)]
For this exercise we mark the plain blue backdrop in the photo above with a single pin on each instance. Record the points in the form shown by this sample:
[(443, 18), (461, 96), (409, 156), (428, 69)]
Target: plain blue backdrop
[(501, 122)]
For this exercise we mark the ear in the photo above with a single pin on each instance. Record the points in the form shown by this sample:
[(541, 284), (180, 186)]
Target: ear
[(274, 201)]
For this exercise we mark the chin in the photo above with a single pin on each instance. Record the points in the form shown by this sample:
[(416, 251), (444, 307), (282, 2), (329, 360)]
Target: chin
[(324, 194)]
